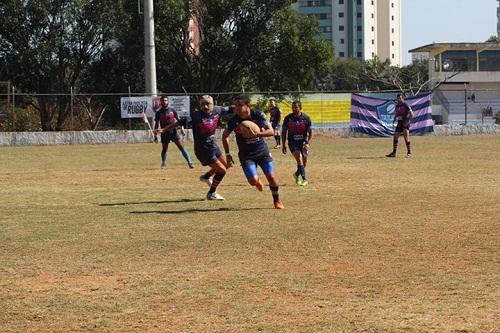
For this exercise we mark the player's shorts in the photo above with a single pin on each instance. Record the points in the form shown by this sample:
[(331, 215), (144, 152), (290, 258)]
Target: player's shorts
[(400, 127), (250, 165), (207, 156), (170, 136), (294, 146)]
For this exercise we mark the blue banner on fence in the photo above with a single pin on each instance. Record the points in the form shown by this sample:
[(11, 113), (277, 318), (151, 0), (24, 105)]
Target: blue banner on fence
[(374, 116)]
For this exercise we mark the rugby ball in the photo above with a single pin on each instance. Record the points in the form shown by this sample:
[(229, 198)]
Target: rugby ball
[(249, 129)]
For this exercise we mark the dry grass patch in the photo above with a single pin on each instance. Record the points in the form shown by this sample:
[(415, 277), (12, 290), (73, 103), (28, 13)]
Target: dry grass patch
[(99, 239)]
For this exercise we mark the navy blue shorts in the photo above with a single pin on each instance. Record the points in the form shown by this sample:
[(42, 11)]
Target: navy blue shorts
[(400, 127), (207, 156), (170, 136), (249, 165), (296, 145)]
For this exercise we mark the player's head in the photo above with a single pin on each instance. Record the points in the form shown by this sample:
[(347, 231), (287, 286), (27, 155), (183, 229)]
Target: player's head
[(400, 98), (242, 107), (206, 103), (272, 102), (164, 101), (296, 107)]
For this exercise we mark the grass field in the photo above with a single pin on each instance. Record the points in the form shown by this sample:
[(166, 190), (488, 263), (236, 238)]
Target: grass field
[(100, 239)]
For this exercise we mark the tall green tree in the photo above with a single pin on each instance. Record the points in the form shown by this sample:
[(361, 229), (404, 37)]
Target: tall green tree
[(259, 45), (47, 45)]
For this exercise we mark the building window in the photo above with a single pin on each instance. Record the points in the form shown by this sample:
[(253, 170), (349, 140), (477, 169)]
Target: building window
[(373, 28), (392, 4), (360, 41), (392, 56), (341, 54), (489, 60), (359, 2), (342, 41), (373, 41), (454, 61), (392, 30), (359, 54), (392, 43), (341, 2), (359, 28), (341, 14), (341, 28), (373, 3), (373, 15), (358, 15), (392, 18)]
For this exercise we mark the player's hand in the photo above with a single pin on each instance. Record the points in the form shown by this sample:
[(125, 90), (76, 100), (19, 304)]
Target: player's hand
[(155, 140), (183, 132), (230, 160), (158, 131)]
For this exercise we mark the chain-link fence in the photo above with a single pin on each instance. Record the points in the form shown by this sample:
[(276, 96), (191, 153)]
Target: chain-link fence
[(101, 111)]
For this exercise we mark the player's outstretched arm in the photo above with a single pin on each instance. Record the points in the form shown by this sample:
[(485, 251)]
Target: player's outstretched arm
[(225, 145)]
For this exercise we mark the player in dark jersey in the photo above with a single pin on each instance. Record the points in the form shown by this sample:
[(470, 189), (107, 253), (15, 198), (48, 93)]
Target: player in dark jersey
[(204, 123), (297, 128), (402, 115), (252, 151), (166, 123), (275, 118)]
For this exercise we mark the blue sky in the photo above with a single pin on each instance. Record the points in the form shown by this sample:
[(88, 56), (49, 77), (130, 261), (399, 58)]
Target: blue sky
[(427, 21)]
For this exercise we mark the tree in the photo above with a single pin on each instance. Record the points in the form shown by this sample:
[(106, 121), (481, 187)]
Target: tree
[(252, 44), (493, 39), (48, 45)]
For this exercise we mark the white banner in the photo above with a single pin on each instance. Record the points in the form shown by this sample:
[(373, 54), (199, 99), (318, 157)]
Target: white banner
[(180, 104), (133, 107)]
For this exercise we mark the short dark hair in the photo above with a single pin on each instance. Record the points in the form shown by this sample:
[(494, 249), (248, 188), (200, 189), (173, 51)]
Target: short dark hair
[(400, 95), (243, 99), (298, 103), (163, 96)]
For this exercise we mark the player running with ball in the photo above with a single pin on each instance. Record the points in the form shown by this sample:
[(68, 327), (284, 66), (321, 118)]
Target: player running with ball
[(297, 127), (252, 149)]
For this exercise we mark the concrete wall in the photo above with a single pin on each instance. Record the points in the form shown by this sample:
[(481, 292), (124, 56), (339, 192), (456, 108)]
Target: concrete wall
[(110, 137)]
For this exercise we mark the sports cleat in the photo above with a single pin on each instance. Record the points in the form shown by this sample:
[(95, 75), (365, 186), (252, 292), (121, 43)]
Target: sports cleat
[(214, 196), (393, 154), (259, 185), (207, 181), (409, 155), (277, 147), (298, 178), (278, 204), (303, 182), (164, 165), (191, 165)]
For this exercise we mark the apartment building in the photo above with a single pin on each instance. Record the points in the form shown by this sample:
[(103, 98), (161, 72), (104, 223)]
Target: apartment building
[(358, 28)]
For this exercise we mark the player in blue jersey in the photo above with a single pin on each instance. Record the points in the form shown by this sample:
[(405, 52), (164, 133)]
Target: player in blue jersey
[(297, 128), (204, 124), (275, 118), (252, 152), (166, 123)]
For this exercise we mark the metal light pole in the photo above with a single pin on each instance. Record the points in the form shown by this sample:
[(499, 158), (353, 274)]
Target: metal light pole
[(149, 48)]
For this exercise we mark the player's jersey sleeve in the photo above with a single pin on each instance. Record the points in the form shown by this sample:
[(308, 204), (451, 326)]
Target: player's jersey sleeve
[(285, 122), (260, 118), (309, 123), (232, 123)]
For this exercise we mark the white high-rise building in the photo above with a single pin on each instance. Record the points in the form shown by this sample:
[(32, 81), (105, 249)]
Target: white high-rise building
[(358, 28), (498, 19)]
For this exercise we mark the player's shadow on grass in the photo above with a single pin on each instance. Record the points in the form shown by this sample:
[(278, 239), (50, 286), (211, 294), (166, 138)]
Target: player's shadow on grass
[(366, 157), (194, 210), (149, 202)]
